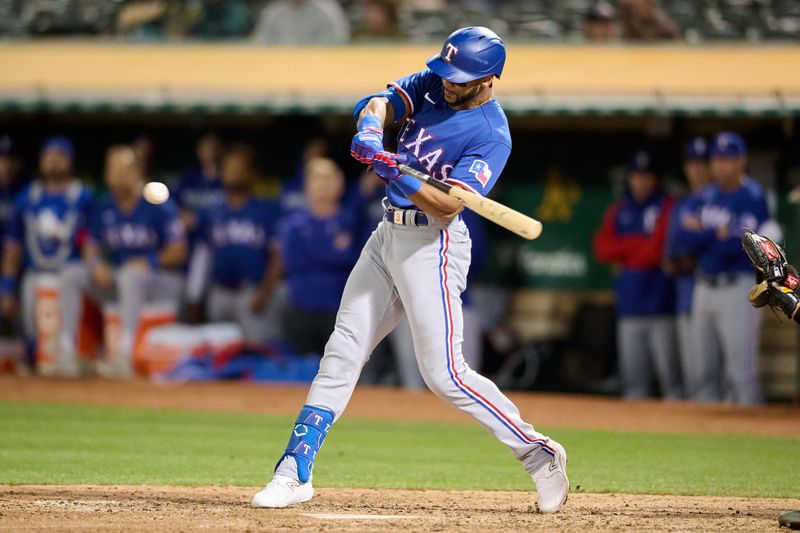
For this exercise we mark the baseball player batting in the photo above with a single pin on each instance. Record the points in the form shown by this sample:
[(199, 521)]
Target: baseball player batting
[(416, 262)]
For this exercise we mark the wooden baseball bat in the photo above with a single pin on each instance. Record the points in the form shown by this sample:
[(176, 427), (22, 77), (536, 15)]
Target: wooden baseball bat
[(502, 215)]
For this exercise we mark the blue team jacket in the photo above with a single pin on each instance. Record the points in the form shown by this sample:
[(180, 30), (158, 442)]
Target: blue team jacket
[(632, 236)]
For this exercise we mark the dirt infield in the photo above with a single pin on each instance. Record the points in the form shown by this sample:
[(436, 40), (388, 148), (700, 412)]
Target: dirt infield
[(224, 508)]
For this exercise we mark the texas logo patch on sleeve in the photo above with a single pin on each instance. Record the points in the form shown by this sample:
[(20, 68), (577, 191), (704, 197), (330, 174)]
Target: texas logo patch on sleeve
[(481, 171)]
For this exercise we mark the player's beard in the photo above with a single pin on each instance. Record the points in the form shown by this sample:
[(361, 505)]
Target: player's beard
[(463, 99)]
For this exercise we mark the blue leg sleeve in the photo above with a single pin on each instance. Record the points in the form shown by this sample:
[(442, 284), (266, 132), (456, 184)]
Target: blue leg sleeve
[(309, 432)]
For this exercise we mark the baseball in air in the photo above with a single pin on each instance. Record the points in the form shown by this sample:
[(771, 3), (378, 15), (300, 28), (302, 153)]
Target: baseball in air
[(156, 192)]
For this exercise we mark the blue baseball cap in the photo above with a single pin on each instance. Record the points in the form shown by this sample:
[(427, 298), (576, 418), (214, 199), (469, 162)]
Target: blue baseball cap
[(60, 143), (696, 150), (727, 144), (641, 162)]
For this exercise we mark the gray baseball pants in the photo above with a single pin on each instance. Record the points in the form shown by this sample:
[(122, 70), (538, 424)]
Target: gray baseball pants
[(132, 289), (726, 333), (647, 343), (419, 271)]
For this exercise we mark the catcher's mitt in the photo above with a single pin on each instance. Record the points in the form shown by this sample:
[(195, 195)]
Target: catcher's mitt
[(776, 279)]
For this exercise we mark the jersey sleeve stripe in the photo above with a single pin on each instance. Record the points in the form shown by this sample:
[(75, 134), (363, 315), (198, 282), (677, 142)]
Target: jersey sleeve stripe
[(406, 99), (459, 183)]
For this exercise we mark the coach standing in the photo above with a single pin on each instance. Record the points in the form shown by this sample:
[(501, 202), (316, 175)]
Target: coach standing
[(726, 329), (680, 261), (632, 236), (319, 246)]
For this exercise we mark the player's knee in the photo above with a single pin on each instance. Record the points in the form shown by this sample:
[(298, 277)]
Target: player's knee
[(73, 275), (338, 358), (343, 340), (439, 381), (130, 277)]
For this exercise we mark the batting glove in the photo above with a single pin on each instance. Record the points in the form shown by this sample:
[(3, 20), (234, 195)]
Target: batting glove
[(385, 166), (369, 139)]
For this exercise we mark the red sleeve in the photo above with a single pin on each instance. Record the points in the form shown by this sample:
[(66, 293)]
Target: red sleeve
[(650, 254), (609, 246)]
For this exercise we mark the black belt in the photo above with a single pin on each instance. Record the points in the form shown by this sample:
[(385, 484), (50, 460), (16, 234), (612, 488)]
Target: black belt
[(405, 217)]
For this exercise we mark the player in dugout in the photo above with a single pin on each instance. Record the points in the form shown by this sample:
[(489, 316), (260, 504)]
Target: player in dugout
[(44, 238), (235, 251), (632, 236), (726, 332), (133, 255), (681, 262), (319, 245)]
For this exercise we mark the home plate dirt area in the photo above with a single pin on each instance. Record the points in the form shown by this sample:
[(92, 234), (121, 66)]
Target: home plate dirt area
[(93, 508)]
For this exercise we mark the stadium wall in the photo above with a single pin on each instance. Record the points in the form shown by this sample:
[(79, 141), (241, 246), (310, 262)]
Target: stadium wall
[(538, 79)]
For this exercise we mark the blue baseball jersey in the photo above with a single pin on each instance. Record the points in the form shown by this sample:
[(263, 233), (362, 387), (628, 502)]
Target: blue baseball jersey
[(318, 255), (198, 193), (633, 235), (467, 148), (239, 239), (677, 248), (142, 232), (50, 225), (743, 208)]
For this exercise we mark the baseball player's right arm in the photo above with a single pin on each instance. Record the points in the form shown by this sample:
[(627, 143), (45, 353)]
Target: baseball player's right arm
[(378, 106), (374, 112)]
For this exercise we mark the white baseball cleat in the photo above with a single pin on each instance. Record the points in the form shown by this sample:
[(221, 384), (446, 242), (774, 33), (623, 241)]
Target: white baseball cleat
[(283, 491), (552, 485)]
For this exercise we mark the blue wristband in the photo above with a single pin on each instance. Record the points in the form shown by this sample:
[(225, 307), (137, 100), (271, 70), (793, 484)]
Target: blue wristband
[(8, 285), (370, 122), (408, 185), (152, 258)]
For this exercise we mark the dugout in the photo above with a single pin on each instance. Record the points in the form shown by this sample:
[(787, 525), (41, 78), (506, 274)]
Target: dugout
[(576, 115)]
